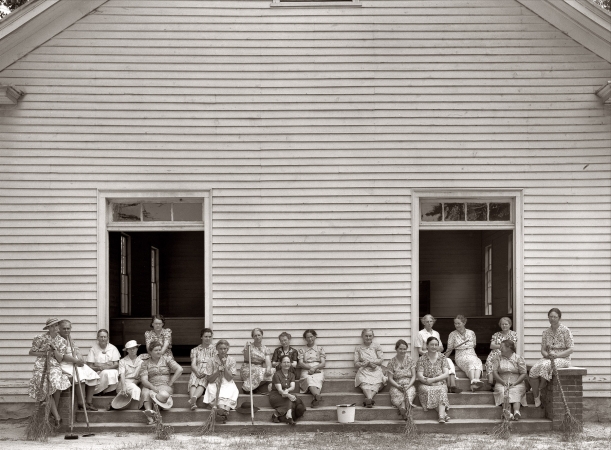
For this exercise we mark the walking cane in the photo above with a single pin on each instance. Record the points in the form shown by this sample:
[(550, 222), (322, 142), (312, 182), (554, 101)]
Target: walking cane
[(71, 435), (252, 407), (89, 433)]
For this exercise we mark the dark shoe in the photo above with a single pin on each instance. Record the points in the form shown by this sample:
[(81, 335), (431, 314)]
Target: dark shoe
[(275, 418), (290, 421), (90, 407), (109, 407), (368, 403), (455, 390)]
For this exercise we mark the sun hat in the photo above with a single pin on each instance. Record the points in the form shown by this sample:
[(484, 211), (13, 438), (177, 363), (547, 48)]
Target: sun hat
[(163, 399), (121, 401), (244, 408), (50, 322), (131, 344)]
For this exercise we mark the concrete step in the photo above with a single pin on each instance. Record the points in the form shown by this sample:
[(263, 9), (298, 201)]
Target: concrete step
[(455, 426), (319, 414)]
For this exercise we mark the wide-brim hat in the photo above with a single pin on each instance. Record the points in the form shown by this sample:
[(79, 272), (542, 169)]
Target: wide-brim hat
[(130, 344), (244, 408), (121, 401), (50, 322), (169, 402)]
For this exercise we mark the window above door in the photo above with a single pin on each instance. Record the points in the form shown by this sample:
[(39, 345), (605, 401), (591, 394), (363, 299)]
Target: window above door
[(156, 213), (472, 212)]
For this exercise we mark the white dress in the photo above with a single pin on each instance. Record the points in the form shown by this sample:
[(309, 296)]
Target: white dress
[(109, 377), (131, 376), (85, 373)]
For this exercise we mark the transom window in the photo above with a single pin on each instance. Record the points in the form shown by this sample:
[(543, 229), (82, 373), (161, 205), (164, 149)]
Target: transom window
[(471, 211), (178, 210)]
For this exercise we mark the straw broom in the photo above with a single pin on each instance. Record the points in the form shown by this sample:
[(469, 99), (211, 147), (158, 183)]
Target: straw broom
[(38, 427), (161, 431), (410, 430), (208, 426), (503, 430), (571, 427)]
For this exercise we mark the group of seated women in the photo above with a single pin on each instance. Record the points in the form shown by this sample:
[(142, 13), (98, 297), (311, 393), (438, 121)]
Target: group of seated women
[(150, 377)]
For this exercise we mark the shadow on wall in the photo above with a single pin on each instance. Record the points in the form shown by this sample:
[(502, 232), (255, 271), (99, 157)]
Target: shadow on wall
[(596, 409)]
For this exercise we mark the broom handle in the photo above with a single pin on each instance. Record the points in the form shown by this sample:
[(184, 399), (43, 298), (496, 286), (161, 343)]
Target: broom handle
[(252, 407), (72, 403), (555, 372), (80, 388)]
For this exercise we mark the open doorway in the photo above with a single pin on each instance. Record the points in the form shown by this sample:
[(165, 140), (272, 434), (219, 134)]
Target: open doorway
[(468, 272), (156, 272)]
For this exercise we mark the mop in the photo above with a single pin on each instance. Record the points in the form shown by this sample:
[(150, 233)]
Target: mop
[(39, 428)]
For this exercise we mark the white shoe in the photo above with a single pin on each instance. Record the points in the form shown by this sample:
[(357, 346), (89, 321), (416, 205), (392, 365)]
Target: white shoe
[(538, 401)]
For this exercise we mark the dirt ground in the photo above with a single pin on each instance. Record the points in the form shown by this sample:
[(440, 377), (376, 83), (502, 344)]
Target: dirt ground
[(596, 436)]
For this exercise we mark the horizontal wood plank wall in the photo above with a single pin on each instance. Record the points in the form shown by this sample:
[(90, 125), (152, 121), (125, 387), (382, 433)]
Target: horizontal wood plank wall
[(311, 125)]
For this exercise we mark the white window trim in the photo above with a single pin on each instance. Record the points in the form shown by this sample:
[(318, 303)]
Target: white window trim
[(315, 4), (518, 241), (104, 226)]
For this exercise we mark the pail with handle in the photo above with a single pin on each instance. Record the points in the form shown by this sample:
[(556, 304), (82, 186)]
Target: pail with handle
[(345, 413)]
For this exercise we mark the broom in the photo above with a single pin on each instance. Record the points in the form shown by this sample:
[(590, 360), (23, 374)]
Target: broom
[(570, 426), (38, 427), (162, 432), (410, 430), (208, 425), (503, 430)]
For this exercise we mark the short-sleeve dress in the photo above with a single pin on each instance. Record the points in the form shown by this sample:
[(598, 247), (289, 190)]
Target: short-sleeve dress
[(498, 338), (283, 404), (229, 393), (108, 377), (401, 371), (372, 379), (558, 341), (159, 374), (311, 355), (279, 353), (130, 369), (257, 357), (464, 345), (37, 388), (163, 337), (437, 394), (200, 356), (509, 369)]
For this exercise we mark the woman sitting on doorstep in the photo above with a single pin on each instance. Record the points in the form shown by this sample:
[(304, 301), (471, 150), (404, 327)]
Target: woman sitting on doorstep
[(285, 349), (506, 333), (400, 371), (312, 360), (432, 372), (557, 344), (200, 356), (159, 334), (428, 321), (509, 371), (288, 406), (368, 357), (463, 341), (104, 358), (156, 380), (261, 371), (220, 370)]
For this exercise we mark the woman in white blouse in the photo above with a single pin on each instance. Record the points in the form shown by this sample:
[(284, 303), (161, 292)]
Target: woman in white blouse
[(104, 358)]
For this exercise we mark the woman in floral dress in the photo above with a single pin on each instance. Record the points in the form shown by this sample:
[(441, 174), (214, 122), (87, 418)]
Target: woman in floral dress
[(312, 360), (159, 334), (557, 344), (463, 341), (260, 357), (509, 370), (200, 356), (43, 387), (368, 357), (401, 378), (432, 372), (506, 333), (223, 366)]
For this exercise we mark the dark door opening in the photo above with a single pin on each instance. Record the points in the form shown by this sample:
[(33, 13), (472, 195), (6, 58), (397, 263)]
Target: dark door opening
[(156, 273), (468, 272)]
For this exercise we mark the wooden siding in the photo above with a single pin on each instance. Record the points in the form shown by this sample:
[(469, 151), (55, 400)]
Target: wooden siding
[(312, 126)]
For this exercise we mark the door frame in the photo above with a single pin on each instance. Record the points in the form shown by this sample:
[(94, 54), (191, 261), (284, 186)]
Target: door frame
[(518, 247), (105, 197)]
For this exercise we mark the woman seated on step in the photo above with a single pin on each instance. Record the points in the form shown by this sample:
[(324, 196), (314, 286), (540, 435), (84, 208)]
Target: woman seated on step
[(368, 357), (159, 334), (557, 344), (428, 321), (400, 371), (200, 356), (288, 406), (312, 360), (463, 341), (129, 374), (155, 378), (432, 372), (104, 358), (220, 370), (261, 370), (509, 371), (506, 333), (285, 349)]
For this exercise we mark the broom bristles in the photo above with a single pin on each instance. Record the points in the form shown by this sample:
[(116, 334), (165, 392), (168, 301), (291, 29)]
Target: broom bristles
[(161, 431), (208, 425), (571, 427), (39, 428), (503, 430), (410, 430)]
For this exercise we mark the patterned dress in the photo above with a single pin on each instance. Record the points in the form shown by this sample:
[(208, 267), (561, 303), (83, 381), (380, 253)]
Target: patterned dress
[(558, 341), (402, 372), (421, 339), (158, 374), (372, 379), (228, 395), (200, 356), (59, 380), (257, 356), (279, 353), (163, 337), (464, 345), (437, 394), (311, 355), (509, 369), (498, 338)]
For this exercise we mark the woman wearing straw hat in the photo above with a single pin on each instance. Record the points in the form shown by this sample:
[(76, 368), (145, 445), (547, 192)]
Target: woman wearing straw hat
[(54, 380), (224, 367), (200, 356), (155, 377), (129, 377)]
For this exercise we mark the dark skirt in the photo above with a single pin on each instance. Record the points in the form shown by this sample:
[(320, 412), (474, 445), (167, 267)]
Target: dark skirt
[(283, 404)]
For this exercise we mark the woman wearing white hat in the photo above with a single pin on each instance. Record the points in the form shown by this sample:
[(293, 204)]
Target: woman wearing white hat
[(129, 374)]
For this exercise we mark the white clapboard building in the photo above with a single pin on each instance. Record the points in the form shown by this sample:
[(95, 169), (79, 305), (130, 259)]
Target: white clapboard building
[(292, 165)]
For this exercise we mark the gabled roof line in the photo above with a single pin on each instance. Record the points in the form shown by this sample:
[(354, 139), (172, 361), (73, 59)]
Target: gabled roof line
[(24, 14)]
